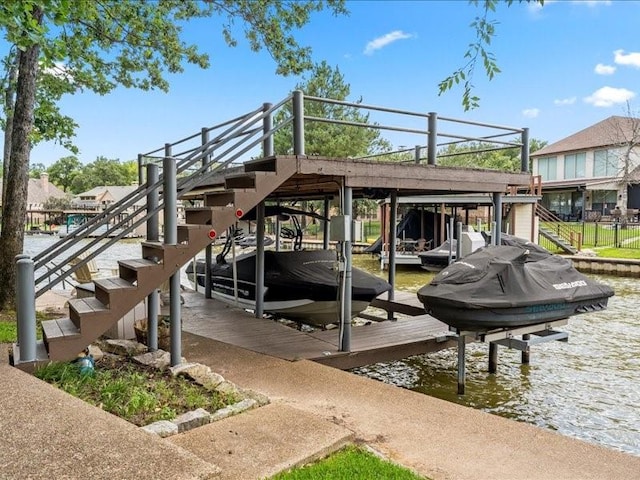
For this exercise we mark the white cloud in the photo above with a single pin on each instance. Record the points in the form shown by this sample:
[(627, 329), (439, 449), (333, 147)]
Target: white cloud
[(561, 102), (592, 3), (631, 59), (531, 112), (384, 40), (608, 96), (58, 69), (602, 69)]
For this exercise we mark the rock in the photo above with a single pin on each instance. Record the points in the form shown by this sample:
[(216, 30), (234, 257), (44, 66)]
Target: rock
[(95, 352), (162, 428), (193, 419), (123, 347), (158, 359), (260, 399), (246, 404), (227, 388)]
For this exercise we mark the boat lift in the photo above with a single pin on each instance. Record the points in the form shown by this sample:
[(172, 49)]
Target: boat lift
[(542, 332)]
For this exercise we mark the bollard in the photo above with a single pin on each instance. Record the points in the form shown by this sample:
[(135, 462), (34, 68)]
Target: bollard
[(26, 309)]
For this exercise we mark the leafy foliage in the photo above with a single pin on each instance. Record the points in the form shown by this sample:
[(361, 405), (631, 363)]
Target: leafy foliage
[(64, 171), (330, 139), (104, 171), (485, 30)]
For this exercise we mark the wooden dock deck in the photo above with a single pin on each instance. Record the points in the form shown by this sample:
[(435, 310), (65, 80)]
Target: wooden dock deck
[(371, 343)]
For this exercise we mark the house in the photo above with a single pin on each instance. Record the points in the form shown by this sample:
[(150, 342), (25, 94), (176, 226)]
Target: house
[(588, 174), (39, 192)]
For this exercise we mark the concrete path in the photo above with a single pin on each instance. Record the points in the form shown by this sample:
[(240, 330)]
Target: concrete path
[(260, 443), (433, 437)]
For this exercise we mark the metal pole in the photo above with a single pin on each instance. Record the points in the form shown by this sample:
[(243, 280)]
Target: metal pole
[(524, 155), (140, 172), (267, 126), (493, 357), (433, 138), (204, 139), (278, 228), (526, 353), (259, 259), (345, 336), (298, 122), (497, 215), (170, 194), (325, 225), (461, 366), (153, 235), (459, 241), (416, 153), (26, 308), (208, 258), (393, 240)]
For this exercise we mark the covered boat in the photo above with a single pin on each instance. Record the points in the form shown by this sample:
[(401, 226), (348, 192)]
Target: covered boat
[(438, 258), (300, 285), (508, 286)]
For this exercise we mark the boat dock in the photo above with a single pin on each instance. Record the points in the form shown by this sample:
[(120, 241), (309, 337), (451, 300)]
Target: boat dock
[(370, 343)]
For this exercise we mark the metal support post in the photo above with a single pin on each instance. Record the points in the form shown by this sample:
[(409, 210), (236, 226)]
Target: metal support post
[(524, 155), (461, 366), (208, 258), (325, 225), (393, 240), (267, 126), (345, 334), (459, 241), (153, 235), (493, 357), (497, 216), (140, 170), (416, 153), (298, 122), (526, 352), (259, 259), (26, 308), (432, 146), (204, 138), (277, 232), (170, 194)]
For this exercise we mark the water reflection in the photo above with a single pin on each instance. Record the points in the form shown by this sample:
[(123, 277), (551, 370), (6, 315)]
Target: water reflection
[(587, 388)]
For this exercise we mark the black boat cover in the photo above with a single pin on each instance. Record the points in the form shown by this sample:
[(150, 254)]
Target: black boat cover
[(508, 276)]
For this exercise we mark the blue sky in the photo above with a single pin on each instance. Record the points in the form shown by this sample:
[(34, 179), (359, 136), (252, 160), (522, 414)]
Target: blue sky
[(564, 67)]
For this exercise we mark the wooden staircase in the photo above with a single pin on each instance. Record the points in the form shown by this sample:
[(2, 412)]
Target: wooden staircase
[(91, 317)]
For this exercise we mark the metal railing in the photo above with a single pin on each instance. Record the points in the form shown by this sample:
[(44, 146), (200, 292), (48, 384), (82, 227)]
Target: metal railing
[(551, 222), (205, 154)]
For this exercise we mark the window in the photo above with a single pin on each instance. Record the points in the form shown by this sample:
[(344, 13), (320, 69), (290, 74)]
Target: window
[(547, 168), (605, 164), (574, 165)]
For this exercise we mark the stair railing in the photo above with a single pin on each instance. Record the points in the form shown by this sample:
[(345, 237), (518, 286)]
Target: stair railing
[(560, 228), (241, 132)]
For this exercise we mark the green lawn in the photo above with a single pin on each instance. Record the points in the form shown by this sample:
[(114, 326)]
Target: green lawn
[(351, 463)]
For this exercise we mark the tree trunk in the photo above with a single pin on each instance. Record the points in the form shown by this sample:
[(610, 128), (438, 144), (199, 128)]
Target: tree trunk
[(14, 212), (9, 97)]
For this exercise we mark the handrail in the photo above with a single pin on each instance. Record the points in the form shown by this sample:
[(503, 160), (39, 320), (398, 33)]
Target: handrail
[(560, 227)]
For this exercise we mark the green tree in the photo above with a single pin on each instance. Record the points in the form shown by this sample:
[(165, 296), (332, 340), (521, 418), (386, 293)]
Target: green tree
[(62, 172), (36, 169), (485, 155), (328, 139), (104, 171), (98, 45)]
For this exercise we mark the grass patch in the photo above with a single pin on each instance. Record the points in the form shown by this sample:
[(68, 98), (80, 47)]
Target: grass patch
[(631, 253), (351, 463), (137, 393), (9, 328)]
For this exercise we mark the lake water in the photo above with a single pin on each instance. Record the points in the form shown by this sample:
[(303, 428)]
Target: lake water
[(587, 388)]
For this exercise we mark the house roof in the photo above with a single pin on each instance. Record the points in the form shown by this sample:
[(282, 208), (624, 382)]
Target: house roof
[(612, 131), (39, 190), (110, 192)]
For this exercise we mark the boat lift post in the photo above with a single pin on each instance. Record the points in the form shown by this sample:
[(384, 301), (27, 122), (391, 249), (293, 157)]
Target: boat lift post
[(170, 194), (325, 226), (345, 325), (153, 235), (543, 332), (208, 251), (259, 259), (393, 240)]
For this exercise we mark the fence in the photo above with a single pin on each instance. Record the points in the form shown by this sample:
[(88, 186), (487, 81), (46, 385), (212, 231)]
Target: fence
[(606, 234)]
